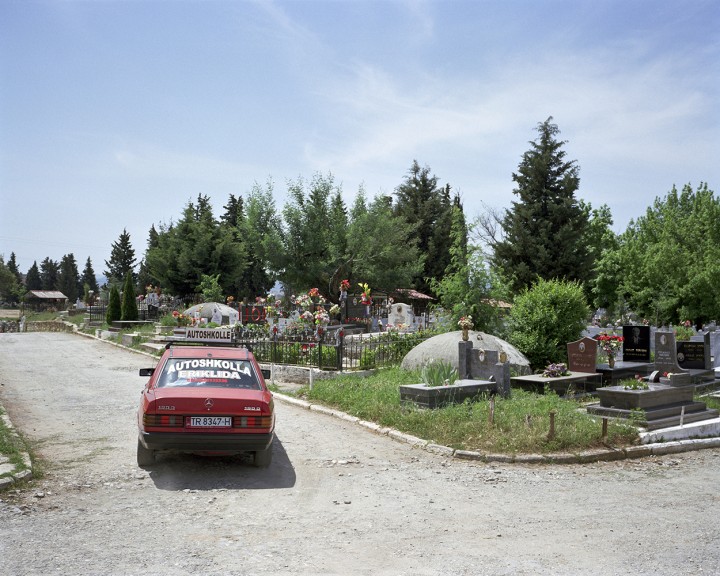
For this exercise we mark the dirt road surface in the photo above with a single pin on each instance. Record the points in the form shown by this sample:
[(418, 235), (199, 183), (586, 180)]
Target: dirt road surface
[(337, 499)]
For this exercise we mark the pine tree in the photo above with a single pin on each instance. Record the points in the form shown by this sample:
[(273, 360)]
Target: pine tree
[(32, 278), (49, 270), (122, 258), (129, 309), (88, 277), (13, 267), (421, 204), (545, 229), (69, 278)]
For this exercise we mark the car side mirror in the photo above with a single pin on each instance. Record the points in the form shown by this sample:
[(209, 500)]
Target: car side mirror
[(266, 373), (147, 371)]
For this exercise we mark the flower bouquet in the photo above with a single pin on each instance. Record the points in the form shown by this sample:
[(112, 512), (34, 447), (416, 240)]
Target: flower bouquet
[(365, 296), (610, 344), (466, 324), (555, 370)]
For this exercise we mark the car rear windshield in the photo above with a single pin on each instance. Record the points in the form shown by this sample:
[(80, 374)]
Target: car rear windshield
[(209, 373)]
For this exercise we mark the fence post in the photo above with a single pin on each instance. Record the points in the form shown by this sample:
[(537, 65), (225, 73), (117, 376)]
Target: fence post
[(339, 348), (319, 354)]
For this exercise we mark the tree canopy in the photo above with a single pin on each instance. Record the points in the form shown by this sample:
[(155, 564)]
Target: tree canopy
[(666, 266), (544, 231), (122, 259)]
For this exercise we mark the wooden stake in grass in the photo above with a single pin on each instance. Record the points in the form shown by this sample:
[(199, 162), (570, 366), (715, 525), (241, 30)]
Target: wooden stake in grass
[(551, 433), (491, 413), (604, 429)]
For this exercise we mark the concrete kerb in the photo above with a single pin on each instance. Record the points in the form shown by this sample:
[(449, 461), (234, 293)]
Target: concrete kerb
[(583, 457), (16, 474)]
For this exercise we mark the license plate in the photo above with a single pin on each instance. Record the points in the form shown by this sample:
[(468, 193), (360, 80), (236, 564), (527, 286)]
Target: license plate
[(210, 421)]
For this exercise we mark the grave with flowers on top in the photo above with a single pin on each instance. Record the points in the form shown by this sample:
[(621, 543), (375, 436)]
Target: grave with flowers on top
[(663, 399), (624, 356)]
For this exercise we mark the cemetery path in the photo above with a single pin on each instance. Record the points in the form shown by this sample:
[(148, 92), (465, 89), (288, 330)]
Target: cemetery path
[(337, 499)]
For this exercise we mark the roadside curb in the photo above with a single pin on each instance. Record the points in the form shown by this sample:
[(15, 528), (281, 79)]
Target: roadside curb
[(583, 457), (17, 474)]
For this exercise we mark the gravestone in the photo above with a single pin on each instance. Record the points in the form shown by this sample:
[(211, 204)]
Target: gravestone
[(714, 348), (636, 343), (666, 353), (582, 355), (691, 355), (479, 364), (401, 314)]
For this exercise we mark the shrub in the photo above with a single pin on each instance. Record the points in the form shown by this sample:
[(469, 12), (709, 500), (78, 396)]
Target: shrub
[(438, 373), (545, 317)]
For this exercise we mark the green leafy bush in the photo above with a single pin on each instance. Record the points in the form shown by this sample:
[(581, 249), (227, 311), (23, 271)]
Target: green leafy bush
[(544, 318)]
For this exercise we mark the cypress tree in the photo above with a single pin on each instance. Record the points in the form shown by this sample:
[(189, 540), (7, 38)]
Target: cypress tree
[(113, 310), (129, 309)]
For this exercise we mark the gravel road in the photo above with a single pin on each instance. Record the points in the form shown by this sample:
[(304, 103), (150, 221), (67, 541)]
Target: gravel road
[(337, 498)]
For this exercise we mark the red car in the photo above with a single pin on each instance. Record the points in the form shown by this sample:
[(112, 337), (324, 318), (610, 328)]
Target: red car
[(206, 399)]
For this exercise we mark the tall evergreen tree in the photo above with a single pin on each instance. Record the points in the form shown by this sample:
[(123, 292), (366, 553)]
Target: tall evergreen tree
[(69, 278), (544, 232), (421, 204), (88, 277), (122, 258), (13, 267), (114, 309), (196, 246), (144, 278), (128, 308), (49, 270), (234, 211), (33, 281)]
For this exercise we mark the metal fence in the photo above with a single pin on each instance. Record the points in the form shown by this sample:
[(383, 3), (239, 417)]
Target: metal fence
[(330, 349), (334, 351)]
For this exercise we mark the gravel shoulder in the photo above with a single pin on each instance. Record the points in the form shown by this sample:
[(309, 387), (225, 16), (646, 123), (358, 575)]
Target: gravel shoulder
[(337, 499)]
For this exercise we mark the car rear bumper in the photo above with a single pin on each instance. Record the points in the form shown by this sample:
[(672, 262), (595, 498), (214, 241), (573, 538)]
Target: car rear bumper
[(190, 442)]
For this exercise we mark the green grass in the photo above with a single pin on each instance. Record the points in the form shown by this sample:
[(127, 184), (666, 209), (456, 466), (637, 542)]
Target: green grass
[(520, 425)]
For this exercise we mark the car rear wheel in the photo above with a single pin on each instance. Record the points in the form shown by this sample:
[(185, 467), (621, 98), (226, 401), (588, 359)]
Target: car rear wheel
[(145, 456), (263, 458)]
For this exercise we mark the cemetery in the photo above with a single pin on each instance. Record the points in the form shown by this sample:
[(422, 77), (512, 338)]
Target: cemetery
[(636, 374)]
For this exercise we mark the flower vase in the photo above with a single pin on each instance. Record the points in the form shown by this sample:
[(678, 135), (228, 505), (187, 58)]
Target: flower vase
[(465, 334), (611, 361)]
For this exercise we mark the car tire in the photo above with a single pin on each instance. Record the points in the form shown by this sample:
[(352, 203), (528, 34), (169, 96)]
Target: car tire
[(145, 456), (263, 458)]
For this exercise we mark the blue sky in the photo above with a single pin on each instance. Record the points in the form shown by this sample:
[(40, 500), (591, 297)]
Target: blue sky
[(113, 115)]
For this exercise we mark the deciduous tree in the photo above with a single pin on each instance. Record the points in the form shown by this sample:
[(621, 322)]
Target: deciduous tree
[(668, 261)]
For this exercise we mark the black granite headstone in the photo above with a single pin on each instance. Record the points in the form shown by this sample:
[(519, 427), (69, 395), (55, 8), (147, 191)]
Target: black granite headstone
[(666, 353), (636, 344), (691, 355)]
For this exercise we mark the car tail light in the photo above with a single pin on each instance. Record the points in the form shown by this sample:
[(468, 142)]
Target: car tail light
[(171, 420), (252, 421)]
